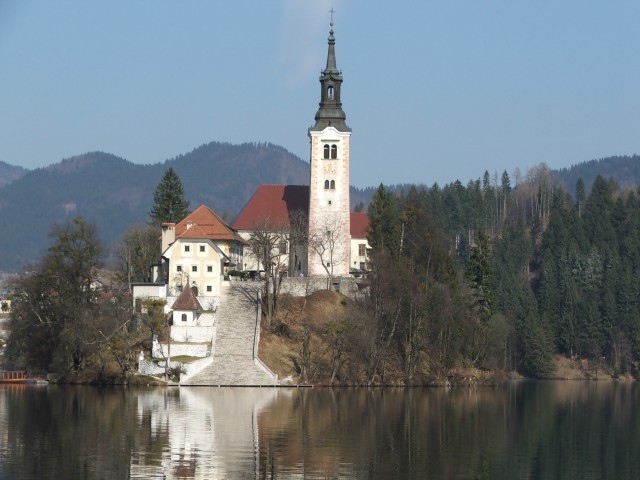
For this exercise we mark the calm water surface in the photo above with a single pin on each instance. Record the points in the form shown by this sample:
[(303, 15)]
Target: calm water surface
[(524, 430)]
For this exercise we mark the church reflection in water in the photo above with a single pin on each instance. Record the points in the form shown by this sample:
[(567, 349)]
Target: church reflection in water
[(200, 432)]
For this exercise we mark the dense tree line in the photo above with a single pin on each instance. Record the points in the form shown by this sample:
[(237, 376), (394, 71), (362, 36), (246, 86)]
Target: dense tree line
[(589, 275), (423, 310), (501, 275), (69, 320)]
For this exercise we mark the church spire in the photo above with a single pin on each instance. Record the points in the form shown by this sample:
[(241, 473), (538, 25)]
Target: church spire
[(330, 112), (331, 54)]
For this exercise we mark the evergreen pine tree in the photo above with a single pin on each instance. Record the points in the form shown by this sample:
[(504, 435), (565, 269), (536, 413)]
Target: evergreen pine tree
[(481, 274), (384, 228), (580, 196), (169, 204)]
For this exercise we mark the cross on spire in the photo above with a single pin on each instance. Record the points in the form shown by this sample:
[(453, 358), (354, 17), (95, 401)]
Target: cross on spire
[(332, 11)]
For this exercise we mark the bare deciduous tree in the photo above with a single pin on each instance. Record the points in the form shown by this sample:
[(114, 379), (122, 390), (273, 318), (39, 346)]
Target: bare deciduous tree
[(138, 250), (269, 243), (330, 244)]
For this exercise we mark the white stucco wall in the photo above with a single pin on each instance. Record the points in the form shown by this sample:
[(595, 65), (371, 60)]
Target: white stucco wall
[(251, 261), (356, 259), (148, 291), (198, 261)]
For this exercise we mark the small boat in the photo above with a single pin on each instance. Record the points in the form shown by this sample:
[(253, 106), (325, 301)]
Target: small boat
[(16, 377)]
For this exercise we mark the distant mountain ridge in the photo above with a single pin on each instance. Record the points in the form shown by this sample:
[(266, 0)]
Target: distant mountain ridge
[(624, 169), (10, 173), (115, 193)]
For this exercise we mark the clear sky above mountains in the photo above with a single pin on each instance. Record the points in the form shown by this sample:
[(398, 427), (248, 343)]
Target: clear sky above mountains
[(434, 91)]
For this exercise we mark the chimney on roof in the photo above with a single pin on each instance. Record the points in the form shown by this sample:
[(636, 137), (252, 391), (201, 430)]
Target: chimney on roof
[(168, 235)]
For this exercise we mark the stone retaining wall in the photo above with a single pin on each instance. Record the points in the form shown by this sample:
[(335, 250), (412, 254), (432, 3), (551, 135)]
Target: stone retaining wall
[(147, 367), (303, 286), (160, 350)]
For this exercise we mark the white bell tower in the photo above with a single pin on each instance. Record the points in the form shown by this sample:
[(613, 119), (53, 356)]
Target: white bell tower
[(329, 207)]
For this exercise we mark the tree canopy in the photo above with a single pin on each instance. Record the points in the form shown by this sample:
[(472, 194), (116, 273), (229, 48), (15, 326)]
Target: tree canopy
[(169, 203), (65, 321)]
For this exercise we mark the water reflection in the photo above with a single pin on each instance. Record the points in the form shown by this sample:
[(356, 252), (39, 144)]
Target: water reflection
[(207, 432), (522, 430)]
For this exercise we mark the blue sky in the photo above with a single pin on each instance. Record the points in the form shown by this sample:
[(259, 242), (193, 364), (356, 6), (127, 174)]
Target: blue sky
[(434, 90)]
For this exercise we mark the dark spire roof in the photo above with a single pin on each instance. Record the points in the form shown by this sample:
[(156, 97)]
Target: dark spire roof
[(331, 56), (330, 112)]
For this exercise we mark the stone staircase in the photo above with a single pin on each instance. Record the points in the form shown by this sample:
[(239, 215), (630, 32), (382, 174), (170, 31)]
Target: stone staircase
[(233, 362)]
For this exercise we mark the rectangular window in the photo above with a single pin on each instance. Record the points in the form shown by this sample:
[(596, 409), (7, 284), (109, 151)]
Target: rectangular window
[(209, 269), (187, 248), (362, 249), (283, 247), (202, 248), (178, 268), (209, 289), (194, 268)]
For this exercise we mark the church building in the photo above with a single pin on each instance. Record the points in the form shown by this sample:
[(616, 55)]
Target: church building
[(335, 244)]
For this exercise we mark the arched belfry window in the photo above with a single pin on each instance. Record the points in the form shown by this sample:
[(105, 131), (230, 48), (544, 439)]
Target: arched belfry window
[(333, 185), (184, 317), (326, 184), (334, 152), (326, 151), (330, 93)]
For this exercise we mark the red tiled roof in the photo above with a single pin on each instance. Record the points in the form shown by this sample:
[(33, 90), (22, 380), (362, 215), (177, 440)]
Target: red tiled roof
[(204, 223), (273, 204), (359, 225), (187, 301)]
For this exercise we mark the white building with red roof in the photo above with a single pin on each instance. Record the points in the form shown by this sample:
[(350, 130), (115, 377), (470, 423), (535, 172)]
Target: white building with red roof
[(198, 251), (279, 207)]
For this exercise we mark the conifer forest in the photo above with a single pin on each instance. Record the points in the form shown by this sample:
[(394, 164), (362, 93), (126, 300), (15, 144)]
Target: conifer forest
[(505, 272)]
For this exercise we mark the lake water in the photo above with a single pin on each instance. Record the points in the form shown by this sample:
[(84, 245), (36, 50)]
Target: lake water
[(522, 430)]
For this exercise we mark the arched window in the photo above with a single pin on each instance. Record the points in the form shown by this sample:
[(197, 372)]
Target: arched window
[(330, 93), (326, 151), (333, 184), (184, 317), (326, 184), (334, 152)]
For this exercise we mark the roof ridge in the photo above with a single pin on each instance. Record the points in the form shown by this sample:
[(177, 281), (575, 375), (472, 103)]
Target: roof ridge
[(187, 301)]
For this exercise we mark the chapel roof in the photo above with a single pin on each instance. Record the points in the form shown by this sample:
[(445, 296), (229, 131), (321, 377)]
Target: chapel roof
[(273, 204), (359, 225), (205, 223), (187, 301)]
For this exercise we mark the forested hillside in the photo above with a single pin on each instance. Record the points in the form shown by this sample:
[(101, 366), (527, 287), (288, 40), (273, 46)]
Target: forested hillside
[(535, 272), (625, 170), (114, 193)]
